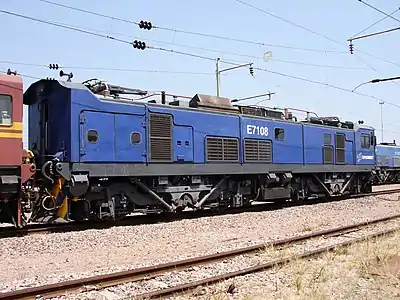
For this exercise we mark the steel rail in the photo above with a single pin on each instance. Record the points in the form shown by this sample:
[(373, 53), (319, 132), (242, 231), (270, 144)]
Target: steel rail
[(57, 289), (136, 220), (262, 267)]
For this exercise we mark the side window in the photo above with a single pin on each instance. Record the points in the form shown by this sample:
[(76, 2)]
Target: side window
[(365, 141), (279, 134), (5, 110), (327, 139), (135, 138), (92, 136)]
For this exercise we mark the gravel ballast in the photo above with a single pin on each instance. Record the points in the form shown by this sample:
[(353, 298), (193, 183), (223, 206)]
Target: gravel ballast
[(42, 259)]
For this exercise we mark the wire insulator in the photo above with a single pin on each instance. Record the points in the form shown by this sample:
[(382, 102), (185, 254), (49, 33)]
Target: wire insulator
[(351, 47), (53, 66), (251, 69), (145, 25), (139, 45)]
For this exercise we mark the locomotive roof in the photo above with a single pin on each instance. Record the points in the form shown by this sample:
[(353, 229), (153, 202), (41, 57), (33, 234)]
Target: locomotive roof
[(80, 86)]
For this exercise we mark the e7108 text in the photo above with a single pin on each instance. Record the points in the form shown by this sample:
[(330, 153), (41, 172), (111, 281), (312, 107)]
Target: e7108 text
[(257, 130)]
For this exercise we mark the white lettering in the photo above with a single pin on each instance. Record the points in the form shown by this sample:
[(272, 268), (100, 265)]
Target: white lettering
[(367, 157), (249, 127), (257, 130)]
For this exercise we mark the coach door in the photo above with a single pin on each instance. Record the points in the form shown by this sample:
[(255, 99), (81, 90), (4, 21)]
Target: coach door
[(96, 137)]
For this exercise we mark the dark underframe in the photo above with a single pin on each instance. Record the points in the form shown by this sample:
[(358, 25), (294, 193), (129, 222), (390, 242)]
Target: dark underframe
[(154, 169)]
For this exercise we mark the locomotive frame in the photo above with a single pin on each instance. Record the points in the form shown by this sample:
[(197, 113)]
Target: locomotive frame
[(100, 155)]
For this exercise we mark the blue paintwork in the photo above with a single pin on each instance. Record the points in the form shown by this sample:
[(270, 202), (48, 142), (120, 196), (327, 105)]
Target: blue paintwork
[(125, 125), (314, 142), (77, 110), (389, 151), (202, 124), (104, 149), (183, 144), (288, 151), (59, 122), (364, 156)]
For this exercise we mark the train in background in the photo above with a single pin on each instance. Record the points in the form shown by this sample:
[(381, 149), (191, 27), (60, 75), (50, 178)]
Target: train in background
[(97, 154), (17, 167), (387, 164)]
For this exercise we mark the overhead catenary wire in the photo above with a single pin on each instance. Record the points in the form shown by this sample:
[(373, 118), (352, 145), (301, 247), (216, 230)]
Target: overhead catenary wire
[(21, 74), (90, 32), (190, 32), (323, 36), (326, 85), (202, 57), (229, 38), (375, 23), (106, 68), (110, 37), (217, 51), (379, 32), (313, 32), (381, 11)]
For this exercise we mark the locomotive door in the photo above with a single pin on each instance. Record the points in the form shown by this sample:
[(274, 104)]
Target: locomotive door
[(96, 137), (130, 138)]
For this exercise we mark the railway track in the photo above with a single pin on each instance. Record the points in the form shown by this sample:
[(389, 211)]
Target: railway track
[(145, 273), (164, 218)]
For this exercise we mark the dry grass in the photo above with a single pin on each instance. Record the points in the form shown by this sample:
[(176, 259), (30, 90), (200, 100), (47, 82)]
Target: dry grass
[(368, 270)]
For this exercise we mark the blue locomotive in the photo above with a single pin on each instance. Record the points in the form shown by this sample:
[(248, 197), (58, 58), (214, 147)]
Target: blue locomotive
[(104, 156), (387, 163)]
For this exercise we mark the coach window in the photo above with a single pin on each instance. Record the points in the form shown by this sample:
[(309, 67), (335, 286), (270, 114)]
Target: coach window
[(5, 110), (365, 141), (135, 138), (279, 134), (92, 136)]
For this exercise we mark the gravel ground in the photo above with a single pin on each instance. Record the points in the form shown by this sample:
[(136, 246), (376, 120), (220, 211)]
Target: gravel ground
[(229, 265), (367, 270), (40, 259)]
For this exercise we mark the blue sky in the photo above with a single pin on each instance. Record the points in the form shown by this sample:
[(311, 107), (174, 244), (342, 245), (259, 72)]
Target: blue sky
[(35, 43)]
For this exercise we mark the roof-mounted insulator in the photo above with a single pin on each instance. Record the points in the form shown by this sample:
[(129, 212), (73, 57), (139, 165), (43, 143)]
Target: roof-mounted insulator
[(9, 72)]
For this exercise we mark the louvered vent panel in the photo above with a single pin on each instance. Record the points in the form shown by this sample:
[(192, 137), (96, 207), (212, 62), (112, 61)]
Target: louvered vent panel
[(160, 137), (257, 151), (222, 149), (396, 162), (382, 160), (340, 142), (231, 150), (214, 149), (328, 154), (250, 150), (340, 156)]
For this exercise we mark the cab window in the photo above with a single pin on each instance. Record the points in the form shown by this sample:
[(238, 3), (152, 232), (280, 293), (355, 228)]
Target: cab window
[(365, 141), (5, 110)]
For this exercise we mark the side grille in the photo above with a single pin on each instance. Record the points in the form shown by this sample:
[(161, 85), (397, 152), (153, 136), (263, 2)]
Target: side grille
[(222, 149), (396, 162), (328, 154), (383, 160), (340, 143), (257, 151), (160, 137)]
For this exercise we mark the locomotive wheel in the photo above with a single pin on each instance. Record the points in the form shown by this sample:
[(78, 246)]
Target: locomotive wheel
[(295, 197)]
